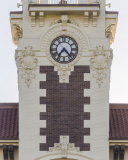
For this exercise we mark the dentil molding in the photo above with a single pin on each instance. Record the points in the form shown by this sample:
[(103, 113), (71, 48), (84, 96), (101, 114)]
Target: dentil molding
[(64, 70), (99, 63), (28, 64)]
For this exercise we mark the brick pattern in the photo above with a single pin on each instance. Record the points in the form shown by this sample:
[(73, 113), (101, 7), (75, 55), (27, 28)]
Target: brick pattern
[(65, 108)]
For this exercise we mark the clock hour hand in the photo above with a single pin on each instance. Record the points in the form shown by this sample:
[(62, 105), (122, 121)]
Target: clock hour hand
[(67, 52), (61, 52)]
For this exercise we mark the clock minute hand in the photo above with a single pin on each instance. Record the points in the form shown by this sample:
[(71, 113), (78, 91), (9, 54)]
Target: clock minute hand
[(61, 52), (67, 52)]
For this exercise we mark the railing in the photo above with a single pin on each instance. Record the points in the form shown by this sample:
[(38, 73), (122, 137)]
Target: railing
[(63, 1)]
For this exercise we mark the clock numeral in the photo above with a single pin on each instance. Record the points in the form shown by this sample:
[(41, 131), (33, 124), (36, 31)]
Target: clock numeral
[(58, 58), (55, 54), (74, 49), (63, 39), (53, 49), (72, 54), (59, 40), (72, 44)]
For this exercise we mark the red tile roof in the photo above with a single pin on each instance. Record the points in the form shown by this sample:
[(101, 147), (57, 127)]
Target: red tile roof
[(9, 121), (118, 122)]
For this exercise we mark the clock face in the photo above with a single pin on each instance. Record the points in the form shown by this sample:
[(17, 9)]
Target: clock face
[(64, 49)]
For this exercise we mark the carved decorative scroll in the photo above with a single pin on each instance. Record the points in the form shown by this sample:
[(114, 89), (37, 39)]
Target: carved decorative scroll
[(110, 32), (17, 33), (64, 146), (100, 62), (28, 63), (60, 20)]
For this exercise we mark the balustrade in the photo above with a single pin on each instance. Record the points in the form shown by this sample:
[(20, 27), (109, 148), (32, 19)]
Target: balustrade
[(63, 1)]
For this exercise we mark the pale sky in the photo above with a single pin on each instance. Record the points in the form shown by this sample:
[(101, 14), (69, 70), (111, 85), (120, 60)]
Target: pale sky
[(119, 70)]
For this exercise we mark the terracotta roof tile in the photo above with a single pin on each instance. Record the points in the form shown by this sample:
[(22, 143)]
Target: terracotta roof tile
[(118, 122), (9, 121)]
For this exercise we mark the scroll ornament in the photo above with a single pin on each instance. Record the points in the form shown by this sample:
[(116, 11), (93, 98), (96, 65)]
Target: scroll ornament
[(28, 64), (100, 62), (64, 146)]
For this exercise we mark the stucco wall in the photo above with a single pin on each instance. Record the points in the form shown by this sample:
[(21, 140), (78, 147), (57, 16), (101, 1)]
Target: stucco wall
[(29, 104)]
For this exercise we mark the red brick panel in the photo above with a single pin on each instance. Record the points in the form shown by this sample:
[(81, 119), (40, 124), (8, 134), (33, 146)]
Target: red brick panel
[(65, 107)]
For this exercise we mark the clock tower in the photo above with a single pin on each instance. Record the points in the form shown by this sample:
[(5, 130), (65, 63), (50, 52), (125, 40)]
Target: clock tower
[(63, 59)]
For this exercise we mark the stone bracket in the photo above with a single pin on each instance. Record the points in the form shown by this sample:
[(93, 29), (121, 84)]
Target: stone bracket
[(5, 152), (33, 19), (11, 152), (41, 19), (94, 18), (94, 23), (86, 19)]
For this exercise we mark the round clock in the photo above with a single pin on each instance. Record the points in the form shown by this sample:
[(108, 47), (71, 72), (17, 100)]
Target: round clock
[(64, 49)]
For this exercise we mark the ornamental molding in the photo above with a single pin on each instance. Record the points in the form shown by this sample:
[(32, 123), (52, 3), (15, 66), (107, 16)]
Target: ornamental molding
[(64, 70), (62, 19), (17, 33), (100, 63), (110, 32), (64, 146), (27, 63)]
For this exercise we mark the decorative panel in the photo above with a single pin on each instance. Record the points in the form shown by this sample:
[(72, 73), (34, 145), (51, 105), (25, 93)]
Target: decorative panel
[(65, 108)]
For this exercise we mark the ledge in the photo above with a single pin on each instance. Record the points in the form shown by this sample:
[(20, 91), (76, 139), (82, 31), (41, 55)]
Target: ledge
[(16, 12), (64, 8), (16, 15), (111, 12)]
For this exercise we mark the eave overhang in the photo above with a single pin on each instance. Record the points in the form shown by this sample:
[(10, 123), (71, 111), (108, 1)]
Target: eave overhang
[(118, 142), (71, 9)]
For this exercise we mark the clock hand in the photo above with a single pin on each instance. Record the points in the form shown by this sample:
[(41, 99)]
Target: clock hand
[(61, 52), (67, 52)]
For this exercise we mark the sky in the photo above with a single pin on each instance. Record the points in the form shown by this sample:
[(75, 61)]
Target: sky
[(119, 69)]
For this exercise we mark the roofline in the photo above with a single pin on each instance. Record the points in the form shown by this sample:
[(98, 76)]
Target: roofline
[(118, 106), (16, 12), (63, 5), (111, 12), (9, 105), (118, 138)]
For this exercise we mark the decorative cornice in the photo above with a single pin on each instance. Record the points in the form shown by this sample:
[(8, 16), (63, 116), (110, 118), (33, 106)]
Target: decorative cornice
[(100, 62)]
